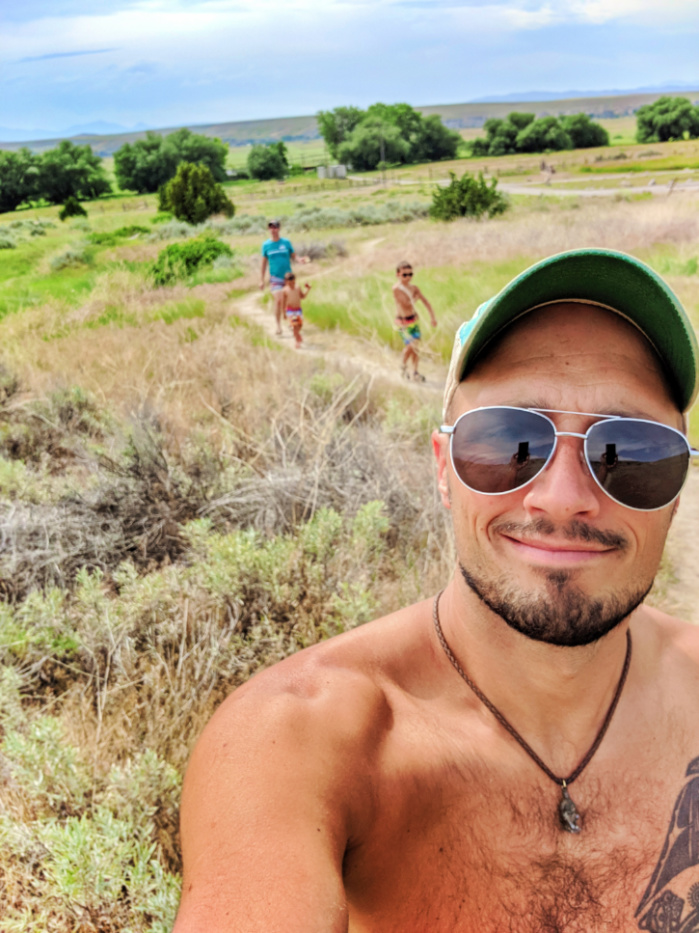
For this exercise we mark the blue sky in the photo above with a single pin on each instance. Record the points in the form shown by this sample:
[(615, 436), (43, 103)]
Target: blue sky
[(168, 62)]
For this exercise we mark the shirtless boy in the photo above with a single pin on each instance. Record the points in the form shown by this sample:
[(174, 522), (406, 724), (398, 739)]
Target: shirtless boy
[(405, 295), (519, 754), (292, 297)]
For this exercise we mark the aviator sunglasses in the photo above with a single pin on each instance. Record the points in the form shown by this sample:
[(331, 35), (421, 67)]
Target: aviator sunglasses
[(638, 463)]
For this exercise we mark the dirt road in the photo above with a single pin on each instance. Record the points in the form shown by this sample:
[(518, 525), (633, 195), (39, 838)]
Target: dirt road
[(680, 592)]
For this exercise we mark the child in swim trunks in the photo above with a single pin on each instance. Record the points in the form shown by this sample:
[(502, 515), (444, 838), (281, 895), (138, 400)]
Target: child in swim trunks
[(405, 295), (292, 296)]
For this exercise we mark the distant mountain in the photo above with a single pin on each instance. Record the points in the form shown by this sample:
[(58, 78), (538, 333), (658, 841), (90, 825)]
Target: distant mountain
[(105, 138), (101, 128), (516, 97), (97, 128)]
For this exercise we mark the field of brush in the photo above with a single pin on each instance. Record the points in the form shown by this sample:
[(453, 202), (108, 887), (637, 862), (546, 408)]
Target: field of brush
[(184, 499)]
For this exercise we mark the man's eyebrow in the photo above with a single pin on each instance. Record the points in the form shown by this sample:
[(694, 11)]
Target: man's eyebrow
[(611, 411)]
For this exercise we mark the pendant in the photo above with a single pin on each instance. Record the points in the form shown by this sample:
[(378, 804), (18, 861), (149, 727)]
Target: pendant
[(568, 812)]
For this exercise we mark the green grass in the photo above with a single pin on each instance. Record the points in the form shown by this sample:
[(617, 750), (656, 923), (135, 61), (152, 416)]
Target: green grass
[(191, 308), (666, 164), (70, 286), (365, 307)]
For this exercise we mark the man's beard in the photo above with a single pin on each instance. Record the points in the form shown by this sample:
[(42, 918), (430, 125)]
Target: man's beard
[(560, 613)]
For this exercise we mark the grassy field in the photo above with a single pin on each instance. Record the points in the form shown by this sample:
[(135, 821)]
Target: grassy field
[(184, 500)]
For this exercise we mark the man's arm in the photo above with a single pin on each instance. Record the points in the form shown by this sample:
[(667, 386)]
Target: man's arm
[(262, 271), (266, 809)]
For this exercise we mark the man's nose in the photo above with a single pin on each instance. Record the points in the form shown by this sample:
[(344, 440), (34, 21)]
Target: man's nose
[(565, 489)]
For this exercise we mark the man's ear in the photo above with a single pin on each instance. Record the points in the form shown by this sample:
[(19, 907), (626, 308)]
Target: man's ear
[(440, 446)]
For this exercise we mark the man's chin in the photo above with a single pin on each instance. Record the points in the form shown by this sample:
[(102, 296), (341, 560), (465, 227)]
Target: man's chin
[(559, 613)]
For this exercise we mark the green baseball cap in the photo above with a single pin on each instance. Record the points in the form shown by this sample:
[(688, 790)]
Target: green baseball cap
[(601, 277)]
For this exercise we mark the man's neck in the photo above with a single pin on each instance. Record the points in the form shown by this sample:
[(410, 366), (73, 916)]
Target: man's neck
[(555, 697)]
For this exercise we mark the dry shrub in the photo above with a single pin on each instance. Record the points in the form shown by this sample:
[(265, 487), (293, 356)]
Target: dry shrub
[(628, 226)]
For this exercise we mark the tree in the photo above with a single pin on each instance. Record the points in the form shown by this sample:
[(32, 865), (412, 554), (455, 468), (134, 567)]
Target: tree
[(386, 133), (467, 197), (71, 170), (72, 208), (148, 163), (373, 142), (501, 136), (434, 141), (145, 165), (520, 120), (194, 195), (584, 134), (336, 125), (198, 149), (19, 173), (521, 132), (666, 119), (542, 134), (265, 162)]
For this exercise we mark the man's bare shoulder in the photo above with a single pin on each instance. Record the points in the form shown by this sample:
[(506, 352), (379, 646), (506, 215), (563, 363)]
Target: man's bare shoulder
[(345, 685), (670, 641), (307, 730)]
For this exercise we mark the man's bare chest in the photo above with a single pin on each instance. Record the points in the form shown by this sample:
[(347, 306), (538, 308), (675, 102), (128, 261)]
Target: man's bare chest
[(482, 850)]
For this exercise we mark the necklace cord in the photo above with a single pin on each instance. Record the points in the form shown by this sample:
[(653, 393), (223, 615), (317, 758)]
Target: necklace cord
[(562, 782)]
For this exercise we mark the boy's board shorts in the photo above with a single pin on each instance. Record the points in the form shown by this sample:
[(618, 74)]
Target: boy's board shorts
[(409, 333), (275, 283), (294, 313)]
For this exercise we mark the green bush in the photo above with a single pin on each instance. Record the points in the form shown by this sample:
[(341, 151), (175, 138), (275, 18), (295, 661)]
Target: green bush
[(668, 118), (267, 162), (467, 197), (193, 195), (73, 256), (180, 260), (72, 208)]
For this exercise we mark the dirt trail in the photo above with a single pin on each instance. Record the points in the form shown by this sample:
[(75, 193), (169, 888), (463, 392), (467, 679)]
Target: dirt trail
[(683, 552), (343, 351)]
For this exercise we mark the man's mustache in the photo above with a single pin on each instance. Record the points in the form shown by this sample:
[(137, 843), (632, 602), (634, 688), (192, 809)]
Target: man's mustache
[(573, 531)]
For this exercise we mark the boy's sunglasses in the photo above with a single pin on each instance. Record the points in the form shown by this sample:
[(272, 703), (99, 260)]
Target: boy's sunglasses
[(406, 275), (638, 463)]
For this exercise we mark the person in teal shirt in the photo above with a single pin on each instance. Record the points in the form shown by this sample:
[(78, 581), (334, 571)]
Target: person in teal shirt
[(277, 253)]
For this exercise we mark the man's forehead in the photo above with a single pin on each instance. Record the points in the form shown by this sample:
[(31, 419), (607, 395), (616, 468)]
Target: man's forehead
[(560, 350), (568, 330)]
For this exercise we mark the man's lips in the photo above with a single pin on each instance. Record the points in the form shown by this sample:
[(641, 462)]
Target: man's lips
[(558, 552)]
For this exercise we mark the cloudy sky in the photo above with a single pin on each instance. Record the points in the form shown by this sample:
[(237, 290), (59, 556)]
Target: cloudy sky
[(167, 62)]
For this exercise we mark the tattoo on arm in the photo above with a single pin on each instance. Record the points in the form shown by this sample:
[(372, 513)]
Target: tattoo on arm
[(662, 910)]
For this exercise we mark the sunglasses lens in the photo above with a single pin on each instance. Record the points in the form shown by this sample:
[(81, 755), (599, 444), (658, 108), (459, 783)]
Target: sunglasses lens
[(639, 463), (499, 449)]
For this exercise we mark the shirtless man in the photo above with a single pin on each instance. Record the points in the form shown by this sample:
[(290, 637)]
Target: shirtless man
[(405, 295), (364, 785), (278, 254)]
